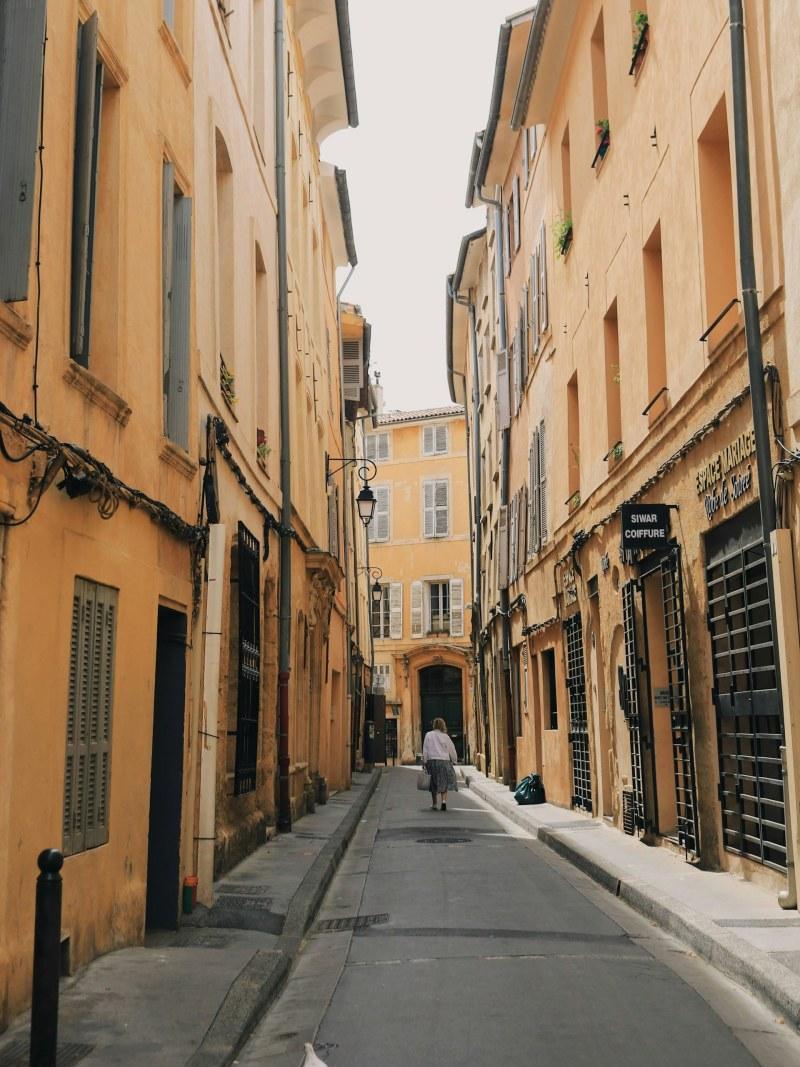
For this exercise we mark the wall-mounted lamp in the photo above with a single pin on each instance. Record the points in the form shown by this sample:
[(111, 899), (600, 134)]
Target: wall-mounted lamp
[(376, 590), (367, 471)]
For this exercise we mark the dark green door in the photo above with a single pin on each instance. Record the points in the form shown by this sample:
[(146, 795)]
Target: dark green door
[(440, 696)]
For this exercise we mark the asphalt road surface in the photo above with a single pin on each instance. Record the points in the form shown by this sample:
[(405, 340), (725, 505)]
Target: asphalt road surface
[(453, 938)]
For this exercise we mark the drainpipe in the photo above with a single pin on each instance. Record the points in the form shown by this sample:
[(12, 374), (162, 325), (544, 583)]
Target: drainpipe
[(505, 440), (345, 511), (758, 396), (206, 823), (285, 603)]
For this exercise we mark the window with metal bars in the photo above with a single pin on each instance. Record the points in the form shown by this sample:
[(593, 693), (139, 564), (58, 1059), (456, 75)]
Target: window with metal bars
[(749, 721), (578, 717), (629, 698), (249, 677)]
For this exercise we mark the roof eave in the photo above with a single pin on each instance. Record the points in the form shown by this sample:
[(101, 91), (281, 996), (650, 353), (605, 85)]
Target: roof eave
[(347, 217), (348, 71)]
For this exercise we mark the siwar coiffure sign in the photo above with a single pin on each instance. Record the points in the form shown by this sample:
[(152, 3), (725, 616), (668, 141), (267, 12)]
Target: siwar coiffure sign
[(719, 482), (644, 526)]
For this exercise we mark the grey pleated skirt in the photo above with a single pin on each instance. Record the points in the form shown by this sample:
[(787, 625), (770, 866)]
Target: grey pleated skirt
[(443, 776)]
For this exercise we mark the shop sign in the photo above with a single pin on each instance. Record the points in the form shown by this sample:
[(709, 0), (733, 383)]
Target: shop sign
[(661, 696), (719, 482), (645, 526)]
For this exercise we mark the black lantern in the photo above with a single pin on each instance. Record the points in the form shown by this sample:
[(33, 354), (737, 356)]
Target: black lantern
[(377, 592), (366, 504)]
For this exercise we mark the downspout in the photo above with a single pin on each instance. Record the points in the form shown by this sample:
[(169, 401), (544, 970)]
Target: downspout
[(345, 512), (755, 364), (285, 602), (505, 439)]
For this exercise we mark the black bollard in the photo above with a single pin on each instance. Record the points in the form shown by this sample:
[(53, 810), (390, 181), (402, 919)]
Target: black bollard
[(46, 960)]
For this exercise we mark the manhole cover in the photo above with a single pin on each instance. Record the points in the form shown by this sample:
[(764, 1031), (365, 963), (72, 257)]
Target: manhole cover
[(443, 840), (17, 1054), (351, 922), (198, 939), (242, 903)]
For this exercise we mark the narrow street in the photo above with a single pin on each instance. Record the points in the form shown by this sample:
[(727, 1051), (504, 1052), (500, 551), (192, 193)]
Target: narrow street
[(455, 938)]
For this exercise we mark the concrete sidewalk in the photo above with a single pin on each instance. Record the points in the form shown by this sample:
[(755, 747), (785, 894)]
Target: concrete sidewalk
[(193, 995), (736, 925)]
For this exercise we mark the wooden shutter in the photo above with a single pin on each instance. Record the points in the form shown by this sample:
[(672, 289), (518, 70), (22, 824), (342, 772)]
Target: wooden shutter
[(512, 539), (381, 518), (506, 241), (21, 51), (382, 446), (396, 610), (456, 607), (371, 446), (523, 331), (440, 439), (89, 715), (503, 394), (87, 135), (522, 520), (502, 547), (428, 509), (416, 609), (534, 534), (180, 332), (535, 303), (333, 521), (526, 162), (167, 236), (442, 508), (542, 485), (517, 214), (543, 321), (352, 369), (428, 440)]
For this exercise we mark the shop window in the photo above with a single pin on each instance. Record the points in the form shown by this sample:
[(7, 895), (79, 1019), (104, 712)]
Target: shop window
[(656, 329), (716, 222), (549, 688), (612, 367)]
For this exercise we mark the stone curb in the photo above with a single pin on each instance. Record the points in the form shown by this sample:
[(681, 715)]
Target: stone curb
[(260, 980), (754, 970)]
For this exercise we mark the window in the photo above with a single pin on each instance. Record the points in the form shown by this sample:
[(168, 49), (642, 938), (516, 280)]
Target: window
[(437, 607), (716, 216), (434, 440), (95, 202), (247, 606), (377, 447), (550, 689), (613, 403), (599, 83), (516, 689), (573, 442), (537, 499), (176, 267), (528, 152), (379, 528), (517, 207), (436, 508), (438, 615), (21, 39), (261, 335), (259, 71), (507, 239), (656, 331), (225, 276), (387, 614), (381, 614), (90, 700), (383, 677)]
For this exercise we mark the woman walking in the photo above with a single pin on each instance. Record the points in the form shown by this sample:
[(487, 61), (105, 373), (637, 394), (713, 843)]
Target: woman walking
[(438, 758)]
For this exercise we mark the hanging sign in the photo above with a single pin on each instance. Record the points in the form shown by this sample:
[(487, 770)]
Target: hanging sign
[(645, 526)]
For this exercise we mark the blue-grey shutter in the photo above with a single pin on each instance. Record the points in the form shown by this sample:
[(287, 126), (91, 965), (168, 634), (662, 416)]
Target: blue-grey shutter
[(167, 229), (178, 403), (87, 136), (77, 719), (169, 13), (101, 702), (21, 50)]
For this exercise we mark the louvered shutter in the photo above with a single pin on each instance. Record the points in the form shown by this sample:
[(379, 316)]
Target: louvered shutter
[(428, 509), (180, 332), (526, 164), (78, 717), (535, 536), (521, 362), (416, 609), (383, 446), (517, 213), (100, 710), (169, 13), (543, 279), (442, 507), (87, 134), (381, 518), (427, 440), (21, 50), (440, 439), (333, 521), (523, 331), (522, 519), (396, 610), (503, 412), (506, 242), (352, 369), (542, 485), (502, 547), (371, 446), (535, 303), (456, 607), (512, 540)]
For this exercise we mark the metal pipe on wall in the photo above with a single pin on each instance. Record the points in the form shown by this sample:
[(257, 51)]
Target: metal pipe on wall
[(345, 513)]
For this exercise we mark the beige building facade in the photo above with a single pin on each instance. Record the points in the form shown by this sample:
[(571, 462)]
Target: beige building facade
[(642, 684), (419, 542)]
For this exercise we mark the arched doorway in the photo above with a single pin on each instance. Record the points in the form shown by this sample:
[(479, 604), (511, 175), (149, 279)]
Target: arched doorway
[(441, 696)]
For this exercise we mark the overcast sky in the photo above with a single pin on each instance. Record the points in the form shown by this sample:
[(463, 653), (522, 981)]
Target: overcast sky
[(423, 78)]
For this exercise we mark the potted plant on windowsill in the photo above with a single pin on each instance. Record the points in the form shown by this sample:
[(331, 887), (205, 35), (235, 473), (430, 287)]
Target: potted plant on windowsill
[(603, 131), (262, 448), (641, 39), (562, 233), (227, 384)]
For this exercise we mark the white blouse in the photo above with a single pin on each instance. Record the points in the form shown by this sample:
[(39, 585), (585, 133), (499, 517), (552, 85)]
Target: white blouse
[(438, 746)]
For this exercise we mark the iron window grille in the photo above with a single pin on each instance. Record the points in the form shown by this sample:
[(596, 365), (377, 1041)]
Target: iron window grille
[(578, 716)]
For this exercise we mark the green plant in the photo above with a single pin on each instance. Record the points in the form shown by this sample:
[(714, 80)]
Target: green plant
[(616, 451), (641, 21), (263, 450), (574, 501), (562, 233), (616, 376), (227, 383), (602, 128)]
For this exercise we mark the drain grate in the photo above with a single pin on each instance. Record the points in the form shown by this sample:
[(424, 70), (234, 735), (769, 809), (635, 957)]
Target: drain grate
[(243, 903), (351, 922), (243, 889), (444, 840), (17, 1054), (198, 939)]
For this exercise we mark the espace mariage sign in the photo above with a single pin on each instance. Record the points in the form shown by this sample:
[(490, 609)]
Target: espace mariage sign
[(719, 481)]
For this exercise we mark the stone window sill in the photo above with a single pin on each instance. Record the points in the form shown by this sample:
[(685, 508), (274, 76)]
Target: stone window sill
[(13, 326), (177, 458), (174, 49), (97, 392)]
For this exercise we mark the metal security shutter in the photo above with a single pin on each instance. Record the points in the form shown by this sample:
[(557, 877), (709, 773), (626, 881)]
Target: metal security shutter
[(89, 716), (679, 701), (749, 725), (352, 369), (630, 700), (416, 609), (21, 52), (396, 610), (578, 717), (84, 190), (249, 682), (456, 607)]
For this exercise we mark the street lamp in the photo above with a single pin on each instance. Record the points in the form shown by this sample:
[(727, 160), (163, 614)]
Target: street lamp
[(376, 590), (367, 470), (366, 504)]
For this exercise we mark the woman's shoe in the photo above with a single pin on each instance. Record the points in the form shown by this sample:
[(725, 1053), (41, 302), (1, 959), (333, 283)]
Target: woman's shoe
[(444, 805)]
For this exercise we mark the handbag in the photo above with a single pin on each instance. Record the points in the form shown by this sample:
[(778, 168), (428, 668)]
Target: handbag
[(424, 781)]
